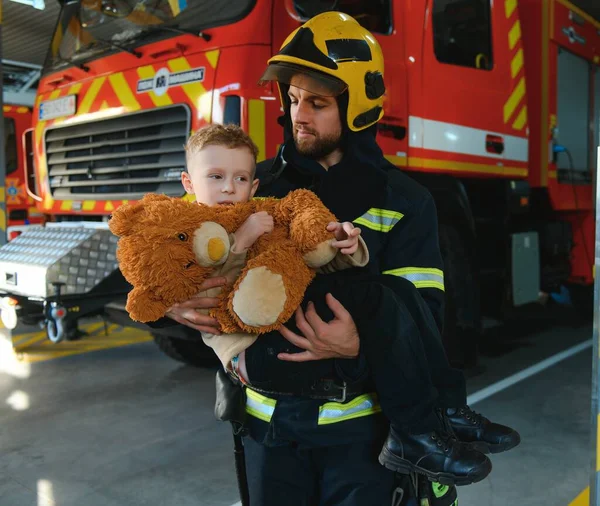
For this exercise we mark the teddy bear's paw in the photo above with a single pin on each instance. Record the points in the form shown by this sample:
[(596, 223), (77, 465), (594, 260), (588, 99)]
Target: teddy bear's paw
[(259, 298), (321, 255)]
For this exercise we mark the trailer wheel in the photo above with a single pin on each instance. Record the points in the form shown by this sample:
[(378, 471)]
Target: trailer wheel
[(194, 353), (462, 310)]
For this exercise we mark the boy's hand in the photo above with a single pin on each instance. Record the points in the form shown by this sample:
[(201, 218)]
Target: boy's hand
[(346, 235), (256, 224)]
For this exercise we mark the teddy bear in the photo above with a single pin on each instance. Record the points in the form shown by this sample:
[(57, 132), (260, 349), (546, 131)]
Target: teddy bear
[(168, 247)]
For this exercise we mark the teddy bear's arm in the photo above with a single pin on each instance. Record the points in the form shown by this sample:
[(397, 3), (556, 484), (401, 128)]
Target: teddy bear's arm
[(308, 219)]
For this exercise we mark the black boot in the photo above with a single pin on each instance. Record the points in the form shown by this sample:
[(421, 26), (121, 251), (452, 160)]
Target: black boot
[(481, 433), (437, 455)]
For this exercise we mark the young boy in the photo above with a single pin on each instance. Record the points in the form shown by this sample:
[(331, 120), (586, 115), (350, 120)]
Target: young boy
[(221, 162), (388, 311)]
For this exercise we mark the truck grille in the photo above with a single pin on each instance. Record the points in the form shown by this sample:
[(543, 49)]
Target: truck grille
[(119, 158)]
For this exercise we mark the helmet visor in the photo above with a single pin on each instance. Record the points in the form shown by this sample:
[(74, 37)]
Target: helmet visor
[(306, 78)]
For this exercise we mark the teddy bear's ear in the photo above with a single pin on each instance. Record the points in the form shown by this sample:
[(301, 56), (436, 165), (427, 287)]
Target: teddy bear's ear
[(154, 197), (125, 219), (142, 308)]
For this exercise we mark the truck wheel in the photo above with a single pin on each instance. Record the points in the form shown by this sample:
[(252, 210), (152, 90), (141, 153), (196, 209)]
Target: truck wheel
[(582, 298), (194, 353), (462, 311)]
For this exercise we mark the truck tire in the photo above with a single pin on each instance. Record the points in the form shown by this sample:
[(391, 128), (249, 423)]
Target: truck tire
[(194, 353), (582, 298), (462, 317)]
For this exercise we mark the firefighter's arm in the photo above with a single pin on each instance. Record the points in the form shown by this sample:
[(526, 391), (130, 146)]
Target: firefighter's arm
[(413, 252)]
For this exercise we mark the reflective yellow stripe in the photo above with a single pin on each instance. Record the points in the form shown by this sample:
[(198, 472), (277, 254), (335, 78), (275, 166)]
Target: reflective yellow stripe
[(259, 406), (514, 35), (212, 57), (256, 126), (519, 123), (91, 95), (380, 220), (514, 100), (123, 92), (509, 7), (421, 277), (263, 407), (334, 412), (517, 63)]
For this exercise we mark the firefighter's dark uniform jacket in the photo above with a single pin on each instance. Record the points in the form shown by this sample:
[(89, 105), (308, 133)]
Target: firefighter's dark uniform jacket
[(399, 225)]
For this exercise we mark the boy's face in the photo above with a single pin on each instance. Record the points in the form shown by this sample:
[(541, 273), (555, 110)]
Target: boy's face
[(220, 175)]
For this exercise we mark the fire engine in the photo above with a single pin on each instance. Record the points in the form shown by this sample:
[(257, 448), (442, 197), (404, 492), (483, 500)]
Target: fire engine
[(493, 106)]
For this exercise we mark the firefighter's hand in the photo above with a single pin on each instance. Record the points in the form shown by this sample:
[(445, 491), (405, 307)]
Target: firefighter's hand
[(336, 339), (186, 312)]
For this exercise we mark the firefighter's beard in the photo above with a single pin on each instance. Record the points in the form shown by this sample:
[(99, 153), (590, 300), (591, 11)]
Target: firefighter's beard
[(317, 146)]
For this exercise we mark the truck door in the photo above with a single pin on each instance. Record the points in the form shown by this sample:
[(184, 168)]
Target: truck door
[(573, 110), (474, 114)]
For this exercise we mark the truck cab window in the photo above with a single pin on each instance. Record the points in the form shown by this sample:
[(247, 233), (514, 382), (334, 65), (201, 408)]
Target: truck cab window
[(374, 15), (462, 33), (10, 146)]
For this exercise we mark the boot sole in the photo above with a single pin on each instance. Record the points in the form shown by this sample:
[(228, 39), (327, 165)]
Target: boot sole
[(403, 466), (483, 447)]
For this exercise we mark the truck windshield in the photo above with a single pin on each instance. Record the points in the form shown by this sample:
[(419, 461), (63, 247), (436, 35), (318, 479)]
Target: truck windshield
[(374, 15), (88, 29)]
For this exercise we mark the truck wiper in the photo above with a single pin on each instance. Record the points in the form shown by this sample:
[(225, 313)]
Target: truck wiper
[(70, 61), (112, 44), (205, 36)]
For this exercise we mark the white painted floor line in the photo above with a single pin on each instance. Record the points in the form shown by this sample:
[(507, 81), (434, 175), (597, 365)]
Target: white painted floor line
[(490, 390)]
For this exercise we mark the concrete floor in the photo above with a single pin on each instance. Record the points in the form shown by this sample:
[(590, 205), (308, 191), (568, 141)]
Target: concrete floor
[(129, 427)]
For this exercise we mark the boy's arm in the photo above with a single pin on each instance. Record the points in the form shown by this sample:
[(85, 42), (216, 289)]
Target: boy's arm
[(360, 258), (235, 261)]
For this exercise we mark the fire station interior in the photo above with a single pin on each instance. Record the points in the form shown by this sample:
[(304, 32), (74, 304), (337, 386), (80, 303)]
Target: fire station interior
[(99, 410)]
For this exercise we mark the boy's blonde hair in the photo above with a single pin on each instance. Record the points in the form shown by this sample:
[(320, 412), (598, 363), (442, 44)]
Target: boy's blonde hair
[(230, 136)]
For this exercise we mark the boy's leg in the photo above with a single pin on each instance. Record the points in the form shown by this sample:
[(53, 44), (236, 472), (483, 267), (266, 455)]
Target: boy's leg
[(449, 382), (391, 339), (468, 426)]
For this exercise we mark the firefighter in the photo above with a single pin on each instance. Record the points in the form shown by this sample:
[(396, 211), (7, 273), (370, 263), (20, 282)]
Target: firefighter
[(333, 56)]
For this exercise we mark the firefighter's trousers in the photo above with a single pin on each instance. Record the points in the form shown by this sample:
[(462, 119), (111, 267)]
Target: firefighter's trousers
[(344, 475)]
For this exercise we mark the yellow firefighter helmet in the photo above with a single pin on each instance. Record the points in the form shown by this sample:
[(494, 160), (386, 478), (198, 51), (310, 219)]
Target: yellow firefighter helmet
[(339, 54)]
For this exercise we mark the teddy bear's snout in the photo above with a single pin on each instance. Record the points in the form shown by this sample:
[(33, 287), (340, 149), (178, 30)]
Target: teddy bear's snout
[(211, 244), (216, 249)]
